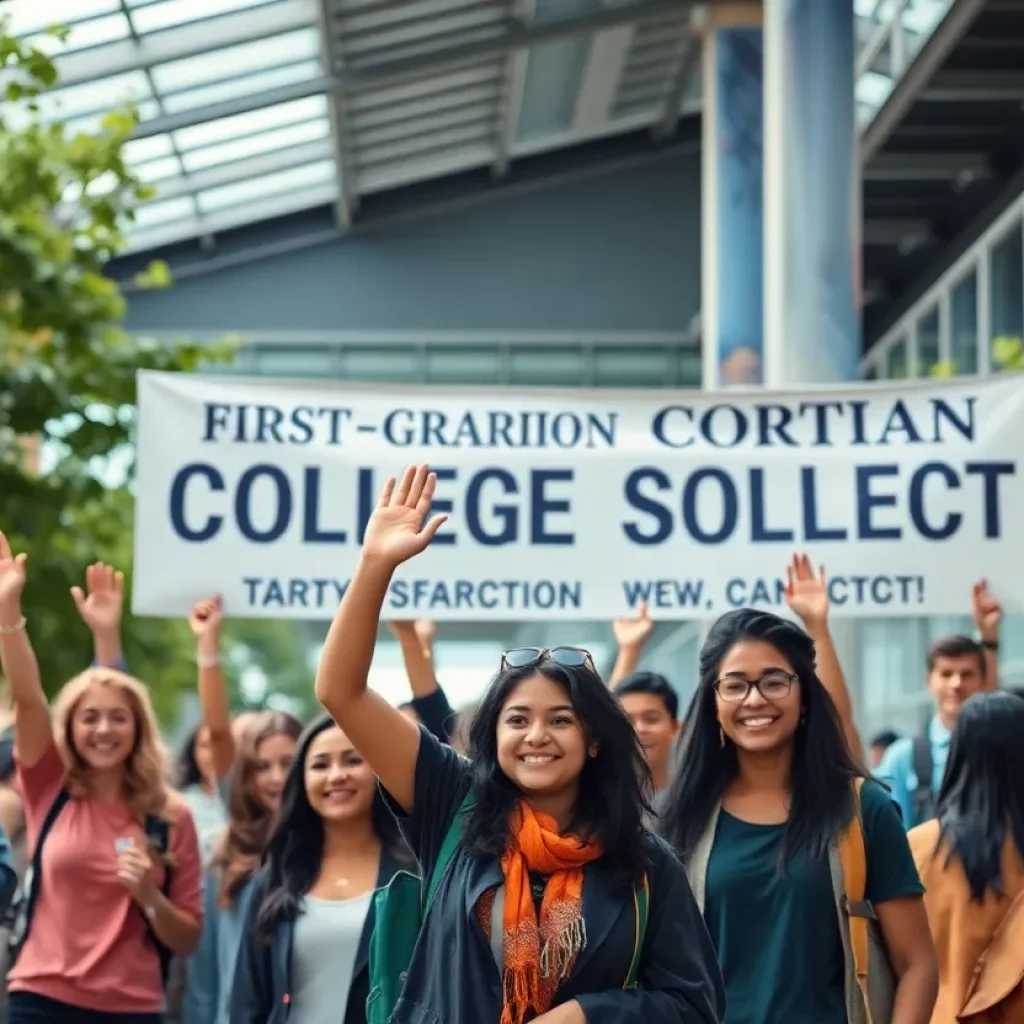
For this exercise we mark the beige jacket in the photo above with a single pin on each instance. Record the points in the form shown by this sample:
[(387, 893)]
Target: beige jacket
[(980, 946)]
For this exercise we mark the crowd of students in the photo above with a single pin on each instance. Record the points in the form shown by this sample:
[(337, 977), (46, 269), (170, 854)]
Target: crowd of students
[(568, 851)]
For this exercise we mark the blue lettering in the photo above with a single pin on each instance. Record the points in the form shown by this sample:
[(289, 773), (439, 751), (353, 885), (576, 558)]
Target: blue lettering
[(658, 426), (758, 509), (917, 516), (867, 502), (990, 472), (212, 526), (311, 532), (730, 506), (809, 489), (661, 515), (243, 504), (508, 514), (541, 506)]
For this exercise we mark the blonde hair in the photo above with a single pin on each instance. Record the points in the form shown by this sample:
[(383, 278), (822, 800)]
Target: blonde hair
[(145, 770)]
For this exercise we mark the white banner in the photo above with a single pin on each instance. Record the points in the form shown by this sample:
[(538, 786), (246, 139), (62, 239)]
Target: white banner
[(580, 504)]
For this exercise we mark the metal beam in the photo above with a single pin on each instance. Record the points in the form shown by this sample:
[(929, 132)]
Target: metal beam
[(361, 74), (348, 198), (191, 39), (905, 233), (943, 166), (685, 71), (975, 87), (930, 58), (602, 76), (238, 171), (517, 65), (382, 67)]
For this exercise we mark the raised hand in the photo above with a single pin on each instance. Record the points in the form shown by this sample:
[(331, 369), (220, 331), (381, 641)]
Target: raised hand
[(986, 611), (633, 632), (396, 530), (807, 593), (103, 600), (12, 577), (206, 617)]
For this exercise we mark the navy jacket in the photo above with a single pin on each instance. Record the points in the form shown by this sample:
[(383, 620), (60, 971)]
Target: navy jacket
[(453, 977), (261, 992)]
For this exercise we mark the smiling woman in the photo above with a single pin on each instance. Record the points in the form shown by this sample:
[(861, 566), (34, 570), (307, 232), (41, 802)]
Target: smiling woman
[(761, 812), (307, 926), (587, 918), (121, 874)]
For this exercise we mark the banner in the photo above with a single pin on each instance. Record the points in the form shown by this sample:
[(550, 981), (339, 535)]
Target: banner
[(580, 504)]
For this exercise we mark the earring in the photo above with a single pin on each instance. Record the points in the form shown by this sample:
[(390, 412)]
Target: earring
[(721, 736)]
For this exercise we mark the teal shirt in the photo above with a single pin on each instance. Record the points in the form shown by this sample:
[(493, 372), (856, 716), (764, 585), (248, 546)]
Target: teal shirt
[(777, 935)]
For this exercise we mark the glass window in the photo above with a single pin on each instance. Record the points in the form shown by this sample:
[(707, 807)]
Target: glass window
[(928, 342), (1007, 294), (375, 363), (294, 179), (638, 367), (691, 368), (548, 365), (464, 364), (896, 361), (295, 361), (963, 336)]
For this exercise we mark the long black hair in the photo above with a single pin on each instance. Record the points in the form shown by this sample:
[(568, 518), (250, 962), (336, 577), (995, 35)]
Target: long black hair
[(823, 767), (981, 799), (613, 786), (187, 771), (295, 848)]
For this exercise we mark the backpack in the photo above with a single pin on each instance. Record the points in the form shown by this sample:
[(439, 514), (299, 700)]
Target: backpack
[(922, 800), (18, 919), (870, 978), (400, 911)]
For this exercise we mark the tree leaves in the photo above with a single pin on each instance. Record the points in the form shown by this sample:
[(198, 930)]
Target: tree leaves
[(68, 382)]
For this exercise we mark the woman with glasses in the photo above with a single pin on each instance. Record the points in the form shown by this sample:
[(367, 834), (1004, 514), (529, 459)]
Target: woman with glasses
[(557, 907), (766, 788)]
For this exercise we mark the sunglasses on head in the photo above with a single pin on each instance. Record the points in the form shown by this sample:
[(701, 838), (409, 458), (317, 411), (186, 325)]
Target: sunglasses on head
[(527, 657)]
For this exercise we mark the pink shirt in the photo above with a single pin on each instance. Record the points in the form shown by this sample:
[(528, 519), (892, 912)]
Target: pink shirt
[(88, 944)]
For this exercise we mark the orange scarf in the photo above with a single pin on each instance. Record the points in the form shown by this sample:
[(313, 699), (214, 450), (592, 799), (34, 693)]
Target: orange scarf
[(539, 956)]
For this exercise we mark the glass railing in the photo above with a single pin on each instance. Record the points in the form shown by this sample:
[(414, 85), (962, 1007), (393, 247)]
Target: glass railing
[(889, 35)]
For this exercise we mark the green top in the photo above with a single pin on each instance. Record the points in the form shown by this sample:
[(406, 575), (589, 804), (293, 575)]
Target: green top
[(777, 934)]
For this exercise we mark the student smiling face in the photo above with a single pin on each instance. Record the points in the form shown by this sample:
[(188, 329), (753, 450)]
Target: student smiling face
[(542, 747)]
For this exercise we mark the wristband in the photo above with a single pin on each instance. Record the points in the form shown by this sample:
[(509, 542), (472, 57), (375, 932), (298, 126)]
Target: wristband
[(16, 628), (989, 645), (208, 660)]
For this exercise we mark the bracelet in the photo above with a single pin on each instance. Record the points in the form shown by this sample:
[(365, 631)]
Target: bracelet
[(16, 628), (208, 660), (989, 645)]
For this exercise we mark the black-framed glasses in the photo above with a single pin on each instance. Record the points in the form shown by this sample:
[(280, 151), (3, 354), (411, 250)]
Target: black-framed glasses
[(527, 657), (772, 686)]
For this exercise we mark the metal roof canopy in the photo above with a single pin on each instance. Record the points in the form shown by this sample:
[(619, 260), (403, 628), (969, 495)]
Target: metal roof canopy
[(943, 146), (253, 110)]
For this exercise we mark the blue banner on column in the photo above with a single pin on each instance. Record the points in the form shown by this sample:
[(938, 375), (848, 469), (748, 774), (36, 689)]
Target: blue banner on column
[(739, 58), (822, 341)]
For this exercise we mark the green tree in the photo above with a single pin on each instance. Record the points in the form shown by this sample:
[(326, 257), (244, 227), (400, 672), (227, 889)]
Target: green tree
[(1006, 353), (67, 371)]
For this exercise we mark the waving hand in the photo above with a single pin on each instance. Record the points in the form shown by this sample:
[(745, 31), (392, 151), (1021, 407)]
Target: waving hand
[(397, 530)]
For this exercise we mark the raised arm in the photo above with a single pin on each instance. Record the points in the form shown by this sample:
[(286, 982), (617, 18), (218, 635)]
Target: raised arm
[(630, 635), (101, 605), (205, 620), (33, 732), (988, 616), (807, 597), (381, 733)]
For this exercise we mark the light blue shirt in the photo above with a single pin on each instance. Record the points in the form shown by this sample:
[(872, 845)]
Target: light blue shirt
[(897, 768)]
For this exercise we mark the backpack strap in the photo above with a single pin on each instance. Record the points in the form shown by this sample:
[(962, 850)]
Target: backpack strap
[(641, 906), (854, 863), (33, 876), (450, 844), (923, 800)]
